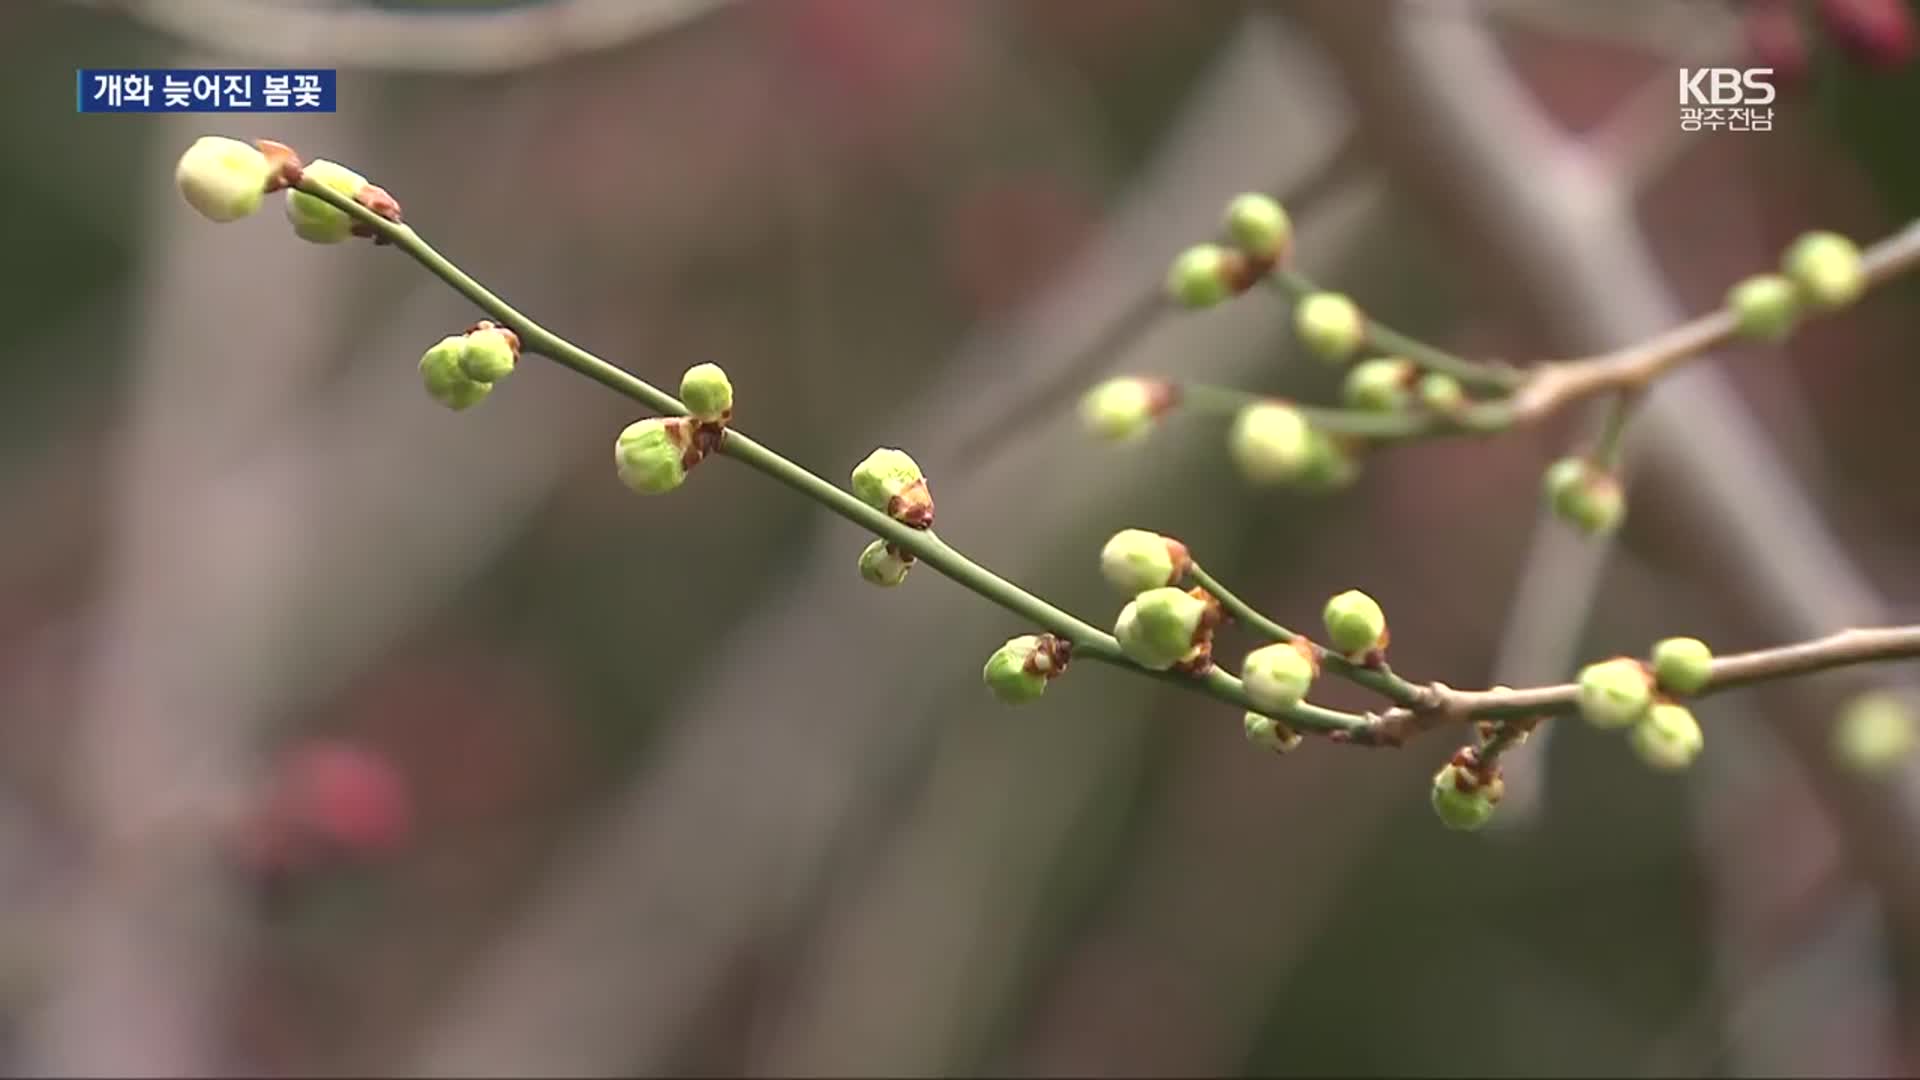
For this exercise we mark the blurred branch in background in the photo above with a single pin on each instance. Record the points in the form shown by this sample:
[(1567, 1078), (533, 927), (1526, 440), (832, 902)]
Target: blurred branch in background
[(468, 41), (729, 838), (1467, 137)]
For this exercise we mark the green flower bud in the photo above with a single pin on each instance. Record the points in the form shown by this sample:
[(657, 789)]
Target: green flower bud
[(890, 481), (651, 454), (881, 565), (1271, 442), (707, 393), (1765, 307), (1018, 671), (1355, 624), (445, 381), (1585, 497), (1160, 627), (1124, 408), (1682, 665), (1667, 737), (1461, 801), (1330, 325), (1825, 267), (1270, 734), (1172, 619), (1204, 275), (489, 354), (1259, 225), (1380, 384), (1278, 676), (1330, 465), (1615, 693), (224, 179), (315, 220), (1442, 393), (1877, 731), (1135, 560)]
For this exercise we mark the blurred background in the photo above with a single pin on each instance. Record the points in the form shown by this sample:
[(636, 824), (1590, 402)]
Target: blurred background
[(342, 734)]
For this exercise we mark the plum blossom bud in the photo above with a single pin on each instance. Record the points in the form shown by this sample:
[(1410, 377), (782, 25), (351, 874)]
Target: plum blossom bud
[(883, 565), (314, 219), (446, 381), (1018, 671), (891, 482), (224, 179), (707, 393), (651, 455), (1270, 734), (1135, 560)]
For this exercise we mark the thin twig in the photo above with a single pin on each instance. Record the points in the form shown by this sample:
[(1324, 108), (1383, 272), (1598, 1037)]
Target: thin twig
[(1438, 703)]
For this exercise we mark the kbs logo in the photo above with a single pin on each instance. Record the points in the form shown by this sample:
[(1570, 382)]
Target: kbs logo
[(1730, 99)]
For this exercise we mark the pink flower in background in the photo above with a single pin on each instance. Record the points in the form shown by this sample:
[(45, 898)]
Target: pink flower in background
[(348, 797), (1879, 33), (1775, 40)]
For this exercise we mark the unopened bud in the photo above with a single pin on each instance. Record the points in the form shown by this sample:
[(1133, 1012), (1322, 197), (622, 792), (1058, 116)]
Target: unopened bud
[(881, 564), (1355, 623), (1826, 269), (1124, 408), (652, 454), (1765, 307), (1135, 560), (314, 219), (890, 481), (1876, 733), (1682, 665), (1204, 275), (1584, 496), (1442, 393), (1277, 677), (707, 393), (1615, 693), (1667, 737), (1330, 325), (489, 354), (1018, 671), (1270, 734), (445, 381), (1259, 225), (1380, 385), (1462, 800), (1271, 442), (1160, 627), (224, 179)]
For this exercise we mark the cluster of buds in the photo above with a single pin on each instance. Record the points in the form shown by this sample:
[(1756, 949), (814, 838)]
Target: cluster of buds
[(460, 370), (1259, 234), (1585, 494), (1019, 671), (1819, 272), (1466, 790), (653, 456), (226, 180), (1625, 692), (891, 482)]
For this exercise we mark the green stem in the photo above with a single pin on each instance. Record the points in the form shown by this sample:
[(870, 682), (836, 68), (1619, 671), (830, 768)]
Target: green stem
[(1089, 641), (1381, 680), (1389, 341)]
